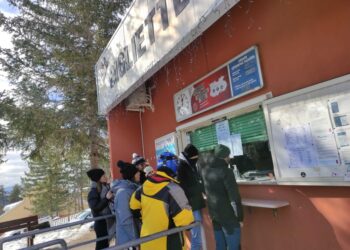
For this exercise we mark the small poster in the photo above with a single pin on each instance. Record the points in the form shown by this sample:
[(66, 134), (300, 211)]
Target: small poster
[(223, 134), (166, 143), (340, 110), (325, 143), (237, 147), (343, 137)]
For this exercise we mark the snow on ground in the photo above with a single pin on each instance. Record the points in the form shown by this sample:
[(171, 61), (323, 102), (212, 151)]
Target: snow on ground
[(68, 234), (8, 207)]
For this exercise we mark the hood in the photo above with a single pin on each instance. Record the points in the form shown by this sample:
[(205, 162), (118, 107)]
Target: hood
[(157, 182), (217, 163), (183, 157), (123, 184)]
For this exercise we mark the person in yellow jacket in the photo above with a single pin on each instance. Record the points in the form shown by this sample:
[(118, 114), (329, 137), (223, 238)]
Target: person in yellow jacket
[(162, 205)]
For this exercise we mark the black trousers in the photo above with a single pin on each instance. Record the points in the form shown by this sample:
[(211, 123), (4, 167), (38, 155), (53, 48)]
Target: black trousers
[(101, 231)]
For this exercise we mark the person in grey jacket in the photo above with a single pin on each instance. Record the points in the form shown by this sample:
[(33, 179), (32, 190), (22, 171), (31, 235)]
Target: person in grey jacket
[(127, 228)]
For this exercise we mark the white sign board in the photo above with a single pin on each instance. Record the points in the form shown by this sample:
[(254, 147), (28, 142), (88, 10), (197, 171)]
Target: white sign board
[(309, 133), (149, 36)]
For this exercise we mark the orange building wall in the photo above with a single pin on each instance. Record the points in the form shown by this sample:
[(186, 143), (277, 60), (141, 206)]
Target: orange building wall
[(300, 43), (124, 134)]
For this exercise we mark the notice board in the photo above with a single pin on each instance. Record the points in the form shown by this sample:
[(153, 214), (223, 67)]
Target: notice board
[(309, 132)]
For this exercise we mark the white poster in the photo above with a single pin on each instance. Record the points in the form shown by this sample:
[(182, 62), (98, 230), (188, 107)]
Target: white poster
[(223, 135), (325, 144), (343, 137), (236, 141), (299, 145)]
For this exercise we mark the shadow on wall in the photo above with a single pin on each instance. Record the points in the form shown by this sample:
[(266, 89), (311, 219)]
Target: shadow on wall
[(317, 218)]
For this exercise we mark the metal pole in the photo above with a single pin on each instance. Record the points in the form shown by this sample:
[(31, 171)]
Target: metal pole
[(153, 237)]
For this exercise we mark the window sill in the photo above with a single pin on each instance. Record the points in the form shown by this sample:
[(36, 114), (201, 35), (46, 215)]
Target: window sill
[(256, 182), (274, 204)]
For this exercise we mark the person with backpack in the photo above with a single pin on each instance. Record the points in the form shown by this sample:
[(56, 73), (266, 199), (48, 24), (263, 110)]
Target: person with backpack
[(163, 205)]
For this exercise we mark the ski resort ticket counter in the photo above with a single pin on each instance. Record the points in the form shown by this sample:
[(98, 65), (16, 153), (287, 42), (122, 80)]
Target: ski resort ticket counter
[(269, 79)]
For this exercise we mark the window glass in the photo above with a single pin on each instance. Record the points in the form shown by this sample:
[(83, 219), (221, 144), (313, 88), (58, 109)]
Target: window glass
[(256, 161)]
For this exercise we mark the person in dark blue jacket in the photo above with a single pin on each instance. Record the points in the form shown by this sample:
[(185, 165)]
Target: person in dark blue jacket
[(98, 203), (127, 228)]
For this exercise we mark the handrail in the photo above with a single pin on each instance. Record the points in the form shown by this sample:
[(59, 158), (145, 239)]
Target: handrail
[(36, 232), (121, 247), (156, 236), (61, 242), (88, 242)]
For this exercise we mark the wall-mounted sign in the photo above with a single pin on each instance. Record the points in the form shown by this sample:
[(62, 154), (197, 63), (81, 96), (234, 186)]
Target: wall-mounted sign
[(149, 36), (166, 143), (236, 78)]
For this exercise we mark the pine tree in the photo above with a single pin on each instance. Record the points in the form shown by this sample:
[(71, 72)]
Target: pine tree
[(5, 103), (56, 45), (46, 183), (51, 66), (3, 198), (15, 194)]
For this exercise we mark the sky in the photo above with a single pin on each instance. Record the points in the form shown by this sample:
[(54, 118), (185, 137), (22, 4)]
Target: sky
[(13, 169)]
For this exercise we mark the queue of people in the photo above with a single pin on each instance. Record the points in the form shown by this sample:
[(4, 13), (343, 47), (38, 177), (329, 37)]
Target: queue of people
[(146, 200)]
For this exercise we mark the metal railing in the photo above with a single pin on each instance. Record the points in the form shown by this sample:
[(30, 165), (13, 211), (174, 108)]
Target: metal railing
[(46, 230), (64, 246), (47, 244), (160, 235)]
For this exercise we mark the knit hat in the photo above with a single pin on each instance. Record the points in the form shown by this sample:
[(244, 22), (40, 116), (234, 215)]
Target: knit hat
[(127, 170), (95, 174), (221, 151), (190, 151), (136, 159)]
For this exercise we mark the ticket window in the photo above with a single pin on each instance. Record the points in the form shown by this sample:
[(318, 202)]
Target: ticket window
[(256, 162)]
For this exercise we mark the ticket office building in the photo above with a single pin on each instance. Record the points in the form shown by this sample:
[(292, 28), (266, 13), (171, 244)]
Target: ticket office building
[(302, 51)]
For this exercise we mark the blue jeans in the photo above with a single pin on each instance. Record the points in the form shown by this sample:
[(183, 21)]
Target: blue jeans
[(196, 237), (227, 237)]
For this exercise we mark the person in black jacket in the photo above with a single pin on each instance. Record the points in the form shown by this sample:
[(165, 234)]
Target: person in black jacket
[(191, 183), (99, 204), (223, 199)]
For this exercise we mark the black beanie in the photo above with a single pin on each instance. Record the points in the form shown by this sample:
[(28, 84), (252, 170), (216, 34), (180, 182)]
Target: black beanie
[(127, 170), (190, 151), (221, 151), (95, 174)]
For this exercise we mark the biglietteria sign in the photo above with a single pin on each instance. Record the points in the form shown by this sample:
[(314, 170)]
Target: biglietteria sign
[(149, 36)]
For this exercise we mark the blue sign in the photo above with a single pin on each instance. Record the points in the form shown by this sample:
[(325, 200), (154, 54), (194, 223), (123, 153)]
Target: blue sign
[(245, 74)]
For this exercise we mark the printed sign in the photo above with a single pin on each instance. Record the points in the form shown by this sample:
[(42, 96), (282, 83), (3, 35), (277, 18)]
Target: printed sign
[(212, 90), (166, 143), (238, 77), (245, 73)]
